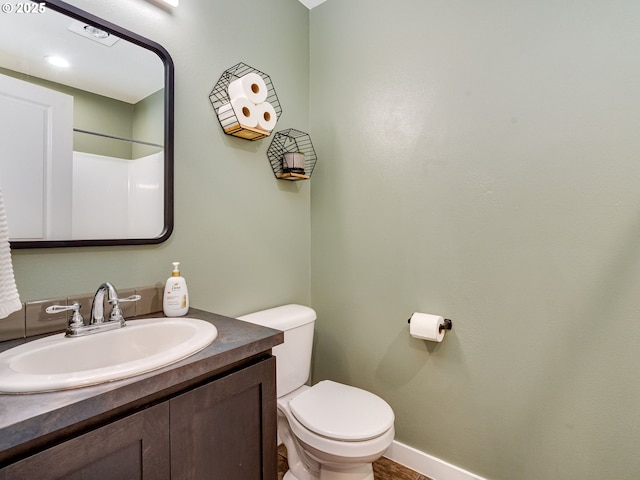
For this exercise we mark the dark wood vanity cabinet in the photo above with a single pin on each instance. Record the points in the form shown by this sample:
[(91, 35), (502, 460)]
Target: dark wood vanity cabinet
[(135, 447), (224, 429)]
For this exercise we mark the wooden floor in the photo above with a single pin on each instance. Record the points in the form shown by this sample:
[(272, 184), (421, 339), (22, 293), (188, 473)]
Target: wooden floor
[(383, 469)]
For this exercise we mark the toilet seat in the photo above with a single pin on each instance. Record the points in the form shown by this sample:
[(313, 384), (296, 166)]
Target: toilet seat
[(320, 446), (342, 412)]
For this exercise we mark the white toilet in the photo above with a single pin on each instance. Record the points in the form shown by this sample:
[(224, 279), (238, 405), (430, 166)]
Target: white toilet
[(332, 431)]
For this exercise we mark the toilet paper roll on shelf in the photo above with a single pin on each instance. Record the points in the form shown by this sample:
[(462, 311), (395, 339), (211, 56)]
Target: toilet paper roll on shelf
[(250, 86), (426, 326), (266, 115), (244, 111), (227, 116)]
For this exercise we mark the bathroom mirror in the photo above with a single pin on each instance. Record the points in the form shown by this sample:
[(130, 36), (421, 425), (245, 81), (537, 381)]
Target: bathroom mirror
[(86, 129)]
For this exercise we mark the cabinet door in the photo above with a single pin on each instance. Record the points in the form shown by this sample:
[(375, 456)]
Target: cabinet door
[(136, 447), (226, 430)]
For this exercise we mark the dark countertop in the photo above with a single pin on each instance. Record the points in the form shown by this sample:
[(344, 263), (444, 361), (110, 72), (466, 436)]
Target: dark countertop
[(29, 421)]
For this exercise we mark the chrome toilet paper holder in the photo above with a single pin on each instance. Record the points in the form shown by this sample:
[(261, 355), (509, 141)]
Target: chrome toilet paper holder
[(447, 325)]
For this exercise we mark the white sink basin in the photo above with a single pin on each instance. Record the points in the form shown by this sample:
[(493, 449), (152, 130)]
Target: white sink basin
[(58, 363)]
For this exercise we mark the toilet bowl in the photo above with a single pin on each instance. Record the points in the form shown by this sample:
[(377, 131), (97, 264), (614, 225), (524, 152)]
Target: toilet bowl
[(338, 429), (331, 431)]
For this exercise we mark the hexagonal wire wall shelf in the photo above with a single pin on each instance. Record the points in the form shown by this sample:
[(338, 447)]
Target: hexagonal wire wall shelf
[(228, 113), (284, 155)]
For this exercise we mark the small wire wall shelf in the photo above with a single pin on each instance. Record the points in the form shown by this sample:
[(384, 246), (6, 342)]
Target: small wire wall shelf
[(228, 114), (281, 154)]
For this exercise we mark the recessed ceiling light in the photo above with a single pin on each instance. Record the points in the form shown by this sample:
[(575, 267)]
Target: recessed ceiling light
[(58, 61)]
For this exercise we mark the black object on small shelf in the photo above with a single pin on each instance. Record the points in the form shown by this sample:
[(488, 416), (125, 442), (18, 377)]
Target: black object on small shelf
[(228, 115), (292, 155)]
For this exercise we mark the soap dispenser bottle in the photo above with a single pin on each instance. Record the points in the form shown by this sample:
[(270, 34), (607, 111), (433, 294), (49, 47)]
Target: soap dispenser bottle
[(175, 301)]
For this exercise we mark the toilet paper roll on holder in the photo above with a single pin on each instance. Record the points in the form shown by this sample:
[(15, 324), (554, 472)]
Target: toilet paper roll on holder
[(447, 325)]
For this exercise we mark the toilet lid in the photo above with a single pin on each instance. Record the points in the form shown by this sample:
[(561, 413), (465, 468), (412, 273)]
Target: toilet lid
[(342, 412)]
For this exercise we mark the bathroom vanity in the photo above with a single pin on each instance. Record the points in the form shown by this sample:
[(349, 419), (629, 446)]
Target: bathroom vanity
[(211, 415)]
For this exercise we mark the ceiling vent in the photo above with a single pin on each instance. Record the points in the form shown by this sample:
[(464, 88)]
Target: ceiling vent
[(93, 33)]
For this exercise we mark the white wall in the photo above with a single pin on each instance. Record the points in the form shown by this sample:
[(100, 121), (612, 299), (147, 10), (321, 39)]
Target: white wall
[(117, 198)]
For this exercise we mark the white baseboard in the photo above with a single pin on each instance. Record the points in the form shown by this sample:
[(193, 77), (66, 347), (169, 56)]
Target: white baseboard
[(426, 464)]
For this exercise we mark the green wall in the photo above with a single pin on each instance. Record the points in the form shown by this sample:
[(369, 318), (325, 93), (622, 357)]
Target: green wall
[(475, 159), (148, 124), (242, 237), (480, 160)]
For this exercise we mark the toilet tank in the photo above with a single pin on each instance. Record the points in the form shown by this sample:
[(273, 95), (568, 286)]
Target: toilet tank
[(293, 357)]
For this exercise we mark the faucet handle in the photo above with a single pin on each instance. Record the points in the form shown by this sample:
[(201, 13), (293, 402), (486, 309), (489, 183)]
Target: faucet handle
[(76, 319), (116, 311), (131, 298)]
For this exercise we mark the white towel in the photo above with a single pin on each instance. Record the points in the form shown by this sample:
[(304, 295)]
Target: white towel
[(9, 298)]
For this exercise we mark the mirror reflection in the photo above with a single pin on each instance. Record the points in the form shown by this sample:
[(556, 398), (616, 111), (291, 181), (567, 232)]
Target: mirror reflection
[(83, 131)]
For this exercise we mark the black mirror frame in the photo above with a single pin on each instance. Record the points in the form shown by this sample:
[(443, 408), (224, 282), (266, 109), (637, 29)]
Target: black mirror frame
[(134, 38)]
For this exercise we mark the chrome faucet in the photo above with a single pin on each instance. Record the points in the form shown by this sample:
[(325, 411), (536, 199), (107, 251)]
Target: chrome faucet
[(97, 308), (97, 323)]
